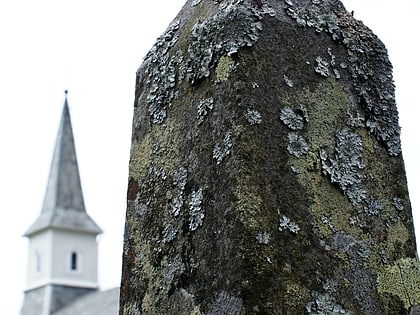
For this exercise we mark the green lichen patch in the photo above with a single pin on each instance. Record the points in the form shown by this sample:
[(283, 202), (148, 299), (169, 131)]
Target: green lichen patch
[(224, 68), (140, 157), (296, 296), (402, 279), (167, 140), (196, 311), (397, 236), (326, 107)]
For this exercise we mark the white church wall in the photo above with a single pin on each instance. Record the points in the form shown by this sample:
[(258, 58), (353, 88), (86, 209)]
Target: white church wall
[(82, 269), (40, 260)]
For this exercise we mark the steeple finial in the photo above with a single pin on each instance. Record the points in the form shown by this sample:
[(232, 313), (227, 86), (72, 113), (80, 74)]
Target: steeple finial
[(66, 93)]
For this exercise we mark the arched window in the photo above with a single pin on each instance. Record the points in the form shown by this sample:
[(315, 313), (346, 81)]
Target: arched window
[(73, 261)]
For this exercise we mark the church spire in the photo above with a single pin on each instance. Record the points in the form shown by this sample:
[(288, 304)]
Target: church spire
[(64, 205)]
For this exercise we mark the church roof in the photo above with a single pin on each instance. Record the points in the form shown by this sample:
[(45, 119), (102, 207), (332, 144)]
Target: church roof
[(99, 302), (64, 206)]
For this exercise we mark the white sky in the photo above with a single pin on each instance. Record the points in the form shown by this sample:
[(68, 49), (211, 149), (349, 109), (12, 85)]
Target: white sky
[(93, 48)]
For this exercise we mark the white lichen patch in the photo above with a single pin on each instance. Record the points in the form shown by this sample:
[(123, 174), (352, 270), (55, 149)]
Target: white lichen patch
[(288, 81), (372, 207), (297, 145), (196, 211), (322, 67), (323, 304), (161, 72), (179, 182), (398, 203), (232, 28), (174, 270), (221, 150), (286, 224), (225, 303), (263, 237), (345, 168), (253, 117), (195, 3), (203, 107), (169, 233), (292, 119)]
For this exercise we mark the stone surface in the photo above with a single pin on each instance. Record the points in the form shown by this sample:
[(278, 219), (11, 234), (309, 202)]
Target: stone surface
[(266, 174)]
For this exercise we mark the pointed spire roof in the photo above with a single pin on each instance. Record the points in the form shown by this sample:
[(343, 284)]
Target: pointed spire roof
[(64, 206)]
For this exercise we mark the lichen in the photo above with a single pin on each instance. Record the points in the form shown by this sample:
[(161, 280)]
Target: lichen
[(221, 150), (161, 72), (225, 303), (253, 117), (297, 145), (398, 204), (286, 224), (174, 271), (288, 81), (196, 310), (232, 28), (140, 157), (345, 168), (297, 296), (179, 182), (169, 233), (368, 66), (249, 203), (372, 207), (401, 279), (263, 237), (292, 119), (196, 210), (203, 107), (324, 304), (195, 3), (322, 67), (224, 67)]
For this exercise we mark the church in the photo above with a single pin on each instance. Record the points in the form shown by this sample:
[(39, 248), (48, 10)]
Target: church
[(62, 271)]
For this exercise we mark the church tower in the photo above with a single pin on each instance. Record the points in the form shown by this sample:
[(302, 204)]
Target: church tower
[(62, 262)]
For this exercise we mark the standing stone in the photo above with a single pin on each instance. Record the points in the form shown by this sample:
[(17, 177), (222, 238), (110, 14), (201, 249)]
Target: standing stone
[(266, 174)]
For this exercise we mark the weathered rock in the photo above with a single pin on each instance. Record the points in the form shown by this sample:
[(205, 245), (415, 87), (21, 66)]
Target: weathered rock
[(266, 174)]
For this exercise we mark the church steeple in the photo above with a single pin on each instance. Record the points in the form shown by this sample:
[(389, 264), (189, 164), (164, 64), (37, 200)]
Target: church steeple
[(62, 263), (64, 205)]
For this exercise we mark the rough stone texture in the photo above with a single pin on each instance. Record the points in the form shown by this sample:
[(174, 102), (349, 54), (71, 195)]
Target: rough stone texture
[(266, 174)]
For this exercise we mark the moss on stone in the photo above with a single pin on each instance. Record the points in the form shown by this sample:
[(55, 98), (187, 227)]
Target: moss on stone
[(402, 279)]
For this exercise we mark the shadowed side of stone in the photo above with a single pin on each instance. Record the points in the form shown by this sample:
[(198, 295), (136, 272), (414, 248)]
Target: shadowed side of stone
[(266, 174)]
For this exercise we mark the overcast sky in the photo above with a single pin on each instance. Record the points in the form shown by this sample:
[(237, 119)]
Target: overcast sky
[(93, 48)]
